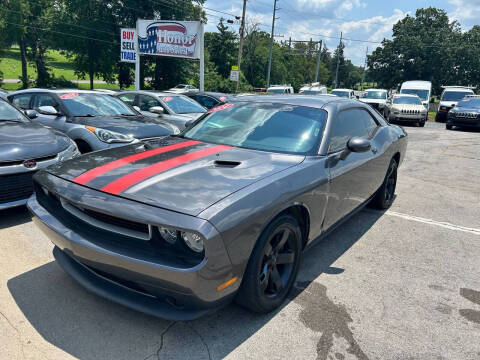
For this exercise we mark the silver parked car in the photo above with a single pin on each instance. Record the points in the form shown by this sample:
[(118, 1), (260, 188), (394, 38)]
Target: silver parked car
[(93, 120), (176, 109)]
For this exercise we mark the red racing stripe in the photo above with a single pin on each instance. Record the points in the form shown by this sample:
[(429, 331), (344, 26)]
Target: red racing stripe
[(96, 172), (123, 183)]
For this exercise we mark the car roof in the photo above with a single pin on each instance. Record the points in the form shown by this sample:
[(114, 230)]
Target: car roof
[(56, 91), (211, 93), (417, 84), (342, 89), (315, 101), (458, 89), (376, 90), (405, 95), (151, 92)]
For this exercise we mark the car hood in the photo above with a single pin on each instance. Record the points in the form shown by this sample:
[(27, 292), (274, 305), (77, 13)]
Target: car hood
[(448, 103), (174, 173), (373, 101), (24, 141), (139, 127), (187, 117), (408, 107)]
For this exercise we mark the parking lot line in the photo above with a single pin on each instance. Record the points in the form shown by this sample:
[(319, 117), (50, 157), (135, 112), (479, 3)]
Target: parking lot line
[(434, 222)]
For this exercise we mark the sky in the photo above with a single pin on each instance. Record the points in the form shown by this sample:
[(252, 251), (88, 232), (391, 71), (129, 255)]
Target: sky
[(368, 20)]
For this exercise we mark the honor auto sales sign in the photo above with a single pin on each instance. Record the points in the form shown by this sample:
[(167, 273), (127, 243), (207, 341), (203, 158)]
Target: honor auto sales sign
[(169, 38), (127, 45)]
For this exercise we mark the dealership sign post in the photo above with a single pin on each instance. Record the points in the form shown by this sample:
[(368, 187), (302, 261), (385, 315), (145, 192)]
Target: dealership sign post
[(181, 39)]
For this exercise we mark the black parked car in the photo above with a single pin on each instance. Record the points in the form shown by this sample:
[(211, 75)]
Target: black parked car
[(208, 99), (25, 148), (466, 114), (179, 226), (95, 121)]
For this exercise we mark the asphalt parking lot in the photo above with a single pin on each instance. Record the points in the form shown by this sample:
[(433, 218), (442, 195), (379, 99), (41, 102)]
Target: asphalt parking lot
[(404, 284)]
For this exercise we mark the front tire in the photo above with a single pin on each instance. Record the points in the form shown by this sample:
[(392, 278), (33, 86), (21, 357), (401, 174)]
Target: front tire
[(273, 266), (384, 196), (448, 127), (421, 123)]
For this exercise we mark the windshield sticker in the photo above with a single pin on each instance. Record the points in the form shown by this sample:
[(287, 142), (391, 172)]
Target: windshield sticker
[(223, 98), (167, 98), (69, 95), (218, 108)]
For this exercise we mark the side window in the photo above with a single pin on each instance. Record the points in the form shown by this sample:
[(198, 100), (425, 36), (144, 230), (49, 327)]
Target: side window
[(127, 98), (22, 101), (145, 102), (206, 101), (348, 124), (368, 121), (45, 100)]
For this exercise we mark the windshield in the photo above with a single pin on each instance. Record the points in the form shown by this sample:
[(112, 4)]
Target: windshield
[(407, 100), (375, 95), (181, 86), (276, 91), (311, 92), (422, 94), (87, 104), (454, 95), (262, 126), (340, 93), (9, 113), (183, 105), (470, 103)]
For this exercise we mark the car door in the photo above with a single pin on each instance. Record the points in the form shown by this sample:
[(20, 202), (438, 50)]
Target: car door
[(54, 121), (350, 173), (22, 101), (206, 101), (127, 99)]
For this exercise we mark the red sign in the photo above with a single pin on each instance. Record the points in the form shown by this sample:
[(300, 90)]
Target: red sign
[(69, 96), (218, 108), (167, 98)]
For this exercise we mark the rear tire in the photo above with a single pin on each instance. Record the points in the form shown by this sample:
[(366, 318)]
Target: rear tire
[(384, 196), (273, 266)]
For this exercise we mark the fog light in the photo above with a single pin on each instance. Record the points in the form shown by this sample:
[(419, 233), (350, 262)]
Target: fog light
[(193, 241), (168, 235)]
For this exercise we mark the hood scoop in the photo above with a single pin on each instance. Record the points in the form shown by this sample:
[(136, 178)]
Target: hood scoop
[(226, 163)]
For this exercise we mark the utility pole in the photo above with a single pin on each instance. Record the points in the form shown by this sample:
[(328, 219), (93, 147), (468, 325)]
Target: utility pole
[(319, 55), (364, 67), (271, 43), (338, 60), (240, 46)]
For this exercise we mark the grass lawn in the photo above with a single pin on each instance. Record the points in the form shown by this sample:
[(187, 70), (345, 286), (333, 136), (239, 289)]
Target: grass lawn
[(431, 116), (13, 87), (11, 65)]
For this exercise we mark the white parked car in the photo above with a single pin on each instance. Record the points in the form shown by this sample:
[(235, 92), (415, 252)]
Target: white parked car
[(346, 93), (423, 89), (313, 89), (451, 95), (406, 108), (376, 98), (183, 88), (280, 89)]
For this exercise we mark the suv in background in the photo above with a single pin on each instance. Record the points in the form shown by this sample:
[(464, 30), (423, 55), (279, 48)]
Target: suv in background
[(377, 99), (346, 93), (280, 89), (451, 95), (182, 88), (313, 89)]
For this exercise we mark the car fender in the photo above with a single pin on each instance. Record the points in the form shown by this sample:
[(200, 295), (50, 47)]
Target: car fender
[(79, 132)]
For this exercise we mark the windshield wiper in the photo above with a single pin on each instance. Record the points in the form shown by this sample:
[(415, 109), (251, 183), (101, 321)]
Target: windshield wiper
[(86, 115), (128, 114)]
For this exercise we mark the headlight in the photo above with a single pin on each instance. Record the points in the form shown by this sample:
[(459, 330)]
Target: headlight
[(169, 235), (193, 241), (443, 108), (108, 136), (70, 152)]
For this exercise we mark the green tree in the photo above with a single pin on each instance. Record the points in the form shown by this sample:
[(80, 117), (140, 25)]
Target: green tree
[(222, 46)]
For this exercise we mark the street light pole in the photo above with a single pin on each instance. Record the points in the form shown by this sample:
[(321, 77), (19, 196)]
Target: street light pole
[(338, 60), (271, 43), (240, 45)]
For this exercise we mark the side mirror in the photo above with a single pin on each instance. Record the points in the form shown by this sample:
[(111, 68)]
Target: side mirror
[(188, 123), (31, 114), (48, 110), (157, 110), (136, 108), (358, 97), (358, 144)]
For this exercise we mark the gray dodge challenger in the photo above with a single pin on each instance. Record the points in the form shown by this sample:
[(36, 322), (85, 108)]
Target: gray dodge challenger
[(181, 225)]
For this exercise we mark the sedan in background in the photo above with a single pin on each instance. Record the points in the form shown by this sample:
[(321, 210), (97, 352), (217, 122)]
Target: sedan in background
[(183, 88), (25, 148), (180, 226), (175, 109), (93, 120), (406, 108), (208, 99), (466, 114)]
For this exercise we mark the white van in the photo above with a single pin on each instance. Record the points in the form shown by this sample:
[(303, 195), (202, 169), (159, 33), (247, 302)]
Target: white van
[(423, 89), (451, 95), (280, 89)]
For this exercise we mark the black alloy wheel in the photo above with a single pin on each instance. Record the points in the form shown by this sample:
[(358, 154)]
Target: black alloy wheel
[(272, 267), (385, 195)]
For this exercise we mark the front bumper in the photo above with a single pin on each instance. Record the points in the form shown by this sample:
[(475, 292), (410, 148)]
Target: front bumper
[(466, 123), (140, 280), (414, 118), (441, 116)]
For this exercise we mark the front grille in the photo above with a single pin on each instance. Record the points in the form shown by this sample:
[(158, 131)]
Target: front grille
[(16, 187), (108, 222), (410, 112), (20, 162), (464, 115)]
